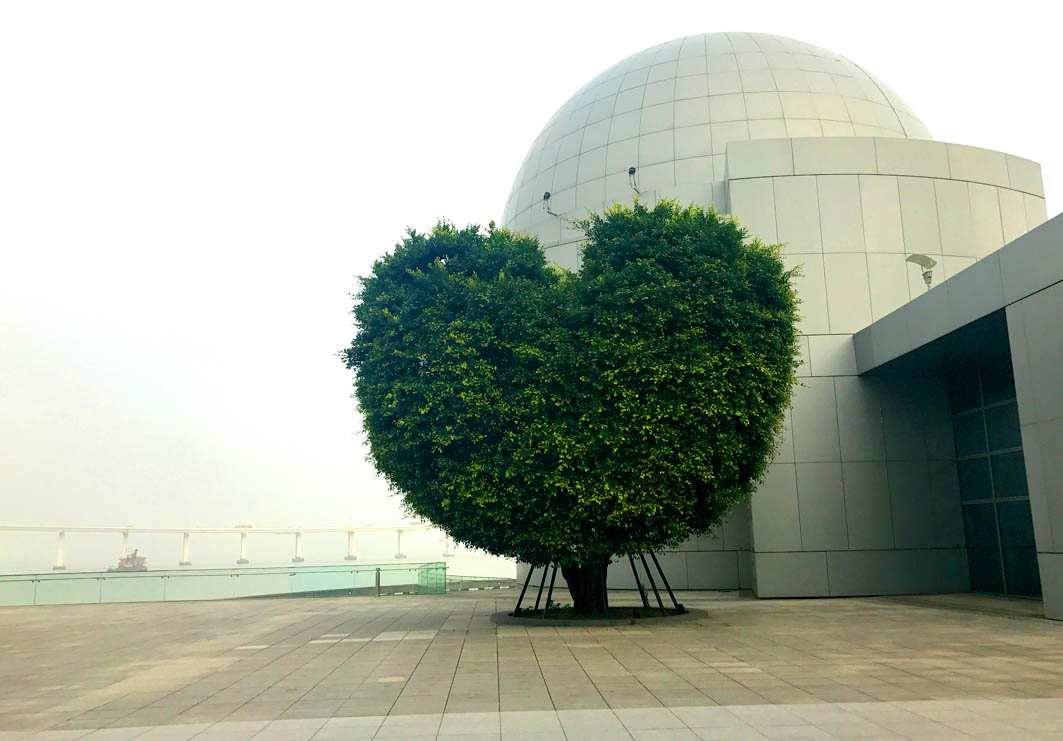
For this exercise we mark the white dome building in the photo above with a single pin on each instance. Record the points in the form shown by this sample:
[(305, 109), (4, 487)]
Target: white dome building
[(871, 488)]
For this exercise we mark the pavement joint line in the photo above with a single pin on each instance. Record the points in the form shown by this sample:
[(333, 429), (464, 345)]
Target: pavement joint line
[(294, 648)]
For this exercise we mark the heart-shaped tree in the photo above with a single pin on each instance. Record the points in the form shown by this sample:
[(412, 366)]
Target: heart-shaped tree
[(560, 417)]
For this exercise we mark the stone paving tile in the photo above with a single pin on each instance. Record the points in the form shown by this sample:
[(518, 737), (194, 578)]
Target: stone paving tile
[(697, 722), (663, 734), (410, 726), (727, 734), (349, 728), (640, 719), (471, 723), (531, 724), (591, 723), (174, 732), (117, 734), (286, 729), (958, 666)]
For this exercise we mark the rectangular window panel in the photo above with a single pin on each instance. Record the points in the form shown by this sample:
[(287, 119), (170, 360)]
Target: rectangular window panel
[(986, 575), (998, 381), (1020, 565), (970, 434), (1001, 551), (963, 392), (1003, 425), (975, 481), (1016, 524), (1009, 475), (980, 524)]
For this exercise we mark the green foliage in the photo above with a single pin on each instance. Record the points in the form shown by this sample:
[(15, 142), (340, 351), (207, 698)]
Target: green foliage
[(563, 417)]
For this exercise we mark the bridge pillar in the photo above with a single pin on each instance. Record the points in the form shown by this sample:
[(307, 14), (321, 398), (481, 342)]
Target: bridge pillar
[(298, 557), (243, 550), (60, 553)]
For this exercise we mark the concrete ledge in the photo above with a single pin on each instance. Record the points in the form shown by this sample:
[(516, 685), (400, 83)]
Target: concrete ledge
[(1021, 268)]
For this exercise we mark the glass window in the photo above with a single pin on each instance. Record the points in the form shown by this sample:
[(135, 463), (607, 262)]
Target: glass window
[(998, 381), (970, 434), (980, 524), (1016, 524), (975, 481), (1020, 565), (1003, 425), (1009, 475), (985, 570), (963, 392), (1001, 552)]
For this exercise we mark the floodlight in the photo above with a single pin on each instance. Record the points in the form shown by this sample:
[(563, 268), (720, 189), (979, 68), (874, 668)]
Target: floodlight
[(546, 203), (632, 180), (927, 264)]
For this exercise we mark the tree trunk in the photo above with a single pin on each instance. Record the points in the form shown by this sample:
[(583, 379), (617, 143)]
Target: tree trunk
[(586, 583)]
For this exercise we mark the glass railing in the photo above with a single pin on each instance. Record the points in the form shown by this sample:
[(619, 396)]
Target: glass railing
[(432, 578), (229, 583), (460, 583)]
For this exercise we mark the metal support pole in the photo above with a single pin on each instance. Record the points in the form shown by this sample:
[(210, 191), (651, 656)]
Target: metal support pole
[(350, 547), (550, 594), (638, 582), (605, 589), (298, 557), (243, 550), (531, 570), (398, 549), (446, 547), (377, 581), (539, 596), (186, 551), (60, 553), (653, 584), (665, 580)]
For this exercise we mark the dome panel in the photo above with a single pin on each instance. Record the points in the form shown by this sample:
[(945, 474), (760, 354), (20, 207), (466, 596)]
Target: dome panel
[(704, 91)]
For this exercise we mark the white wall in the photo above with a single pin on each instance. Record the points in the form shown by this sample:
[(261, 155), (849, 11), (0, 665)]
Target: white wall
[(862, 497)]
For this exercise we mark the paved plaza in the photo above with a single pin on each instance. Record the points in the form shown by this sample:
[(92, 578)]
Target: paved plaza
[(440, 666)]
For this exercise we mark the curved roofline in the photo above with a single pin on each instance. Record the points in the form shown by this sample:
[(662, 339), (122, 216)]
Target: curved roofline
[(859, 109)]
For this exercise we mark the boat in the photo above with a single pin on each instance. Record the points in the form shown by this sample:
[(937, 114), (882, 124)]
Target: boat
[(130, 561)]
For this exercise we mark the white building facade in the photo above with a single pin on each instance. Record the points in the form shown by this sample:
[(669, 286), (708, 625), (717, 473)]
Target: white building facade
[(871, 489)]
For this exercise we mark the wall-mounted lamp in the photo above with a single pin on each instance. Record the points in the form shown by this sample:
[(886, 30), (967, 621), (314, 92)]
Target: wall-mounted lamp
[(632, 180), (926, 263)]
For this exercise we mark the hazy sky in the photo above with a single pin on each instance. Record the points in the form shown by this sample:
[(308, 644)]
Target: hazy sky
[(188, 190)]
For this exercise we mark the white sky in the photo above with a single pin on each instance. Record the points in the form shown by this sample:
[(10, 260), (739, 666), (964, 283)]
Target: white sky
[(188, 189)]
